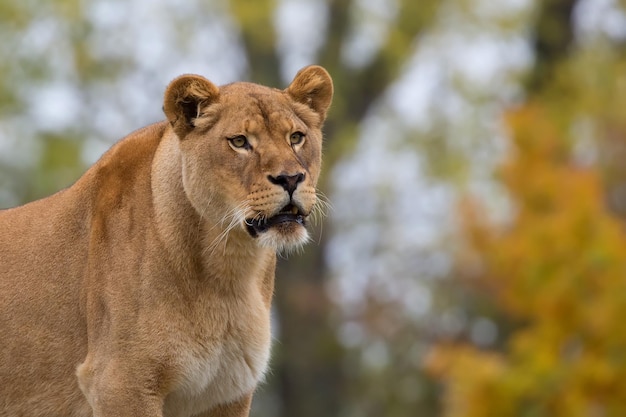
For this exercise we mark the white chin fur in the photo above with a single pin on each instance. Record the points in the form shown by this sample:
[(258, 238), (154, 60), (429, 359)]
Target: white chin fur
[(284, 243)]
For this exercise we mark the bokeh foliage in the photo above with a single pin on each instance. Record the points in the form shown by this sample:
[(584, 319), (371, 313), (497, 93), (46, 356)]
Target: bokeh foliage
[(548, 279), (555, 271)]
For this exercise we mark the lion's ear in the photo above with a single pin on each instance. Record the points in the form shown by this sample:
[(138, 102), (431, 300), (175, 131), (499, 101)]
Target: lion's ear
[(184, 98), (312, 86)]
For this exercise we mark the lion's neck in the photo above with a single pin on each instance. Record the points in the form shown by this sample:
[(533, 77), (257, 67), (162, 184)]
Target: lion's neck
[(196, 242)]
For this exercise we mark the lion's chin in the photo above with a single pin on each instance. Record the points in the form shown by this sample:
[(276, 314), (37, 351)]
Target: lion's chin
[(282, 233)]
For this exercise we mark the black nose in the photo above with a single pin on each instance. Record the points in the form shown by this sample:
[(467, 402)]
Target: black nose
[(288, 182)]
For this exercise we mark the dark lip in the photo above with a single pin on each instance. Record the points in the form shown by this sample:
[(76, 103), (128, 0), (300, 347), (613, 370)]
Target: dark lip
[(286, 215)]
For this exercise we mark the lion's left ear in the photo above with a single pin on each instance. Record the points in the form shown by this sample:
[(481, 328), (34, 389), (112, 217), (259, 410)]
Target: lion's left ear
[(185, 96), (312, 86)]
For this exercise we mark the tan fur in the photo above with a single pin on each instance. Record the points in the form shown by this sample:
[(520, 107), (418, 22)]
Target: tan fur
[(141, 290)]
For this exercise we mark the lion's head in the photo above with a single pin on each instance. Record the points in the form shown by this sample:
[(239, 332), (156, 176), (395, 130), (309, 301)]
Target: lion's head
[(252, 154)]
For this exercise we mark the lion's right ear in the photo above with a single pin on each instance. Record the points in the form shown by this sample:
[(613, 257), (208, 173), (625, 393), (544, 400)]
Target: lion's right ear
[(184, 98)]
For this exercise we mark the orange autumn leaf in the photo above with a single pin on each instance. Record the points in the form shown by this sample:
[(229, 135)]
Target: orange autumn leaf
[(560, 268)]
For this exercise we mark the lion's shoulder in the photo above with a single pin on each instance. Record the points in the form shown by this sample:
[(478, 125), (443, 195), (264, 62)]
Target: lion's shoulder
[(122, 175), (131, 153)]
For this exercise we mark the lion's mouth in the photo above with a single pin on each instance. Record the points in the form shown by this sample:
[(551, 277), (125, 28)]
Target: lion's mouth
[(287, 215)]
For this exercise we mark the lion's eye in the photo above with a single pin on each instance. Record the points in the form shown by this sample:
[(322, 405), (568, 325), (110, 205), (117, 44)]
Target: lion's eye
[(296, 138), (239, 142)]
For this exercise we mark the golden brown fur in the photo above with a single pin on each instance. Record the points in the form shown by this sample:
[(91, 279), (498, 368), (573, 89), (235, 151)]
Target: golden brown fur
[(144, 289)]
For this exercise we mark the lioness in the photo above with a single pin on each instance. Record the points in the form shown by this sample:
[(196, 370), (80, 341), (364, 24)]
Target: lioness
[(144, 289)]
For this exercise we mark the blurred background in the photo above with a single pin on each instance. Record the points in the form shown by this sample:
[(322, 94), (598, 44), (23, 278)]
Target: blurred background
[(474, 261)]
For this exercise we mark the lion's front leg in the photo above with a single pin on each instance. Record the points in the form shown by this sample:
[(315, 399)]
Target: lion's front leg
[(239, 408)]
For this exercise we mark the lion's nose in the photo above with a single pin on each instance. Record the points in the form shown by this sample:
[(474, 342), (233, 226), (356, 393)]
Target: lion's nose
[(288, 182)]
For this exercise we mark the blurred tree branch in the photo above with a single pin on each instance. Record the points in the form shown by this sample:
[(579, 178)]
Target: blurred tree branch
[(553, 39), (258, 37)]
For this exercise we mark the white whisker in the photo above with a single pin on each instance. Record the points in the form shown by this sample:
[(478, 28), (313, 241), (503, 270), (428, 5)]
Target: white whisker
[(319, 211), (233, 217), (321, 208)]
